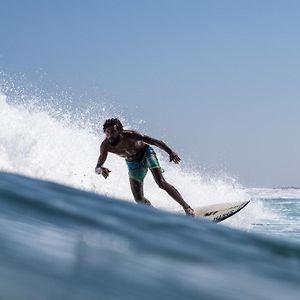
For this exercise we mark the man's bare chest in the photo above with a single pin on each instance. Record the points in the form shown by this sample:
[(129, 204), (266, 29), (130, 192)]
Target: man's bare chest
[(128, 149)]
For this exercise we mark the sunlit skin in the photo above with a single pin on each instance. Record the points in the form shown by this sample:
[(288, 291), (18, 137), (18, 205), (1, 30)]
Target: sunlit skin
[(131, 145)]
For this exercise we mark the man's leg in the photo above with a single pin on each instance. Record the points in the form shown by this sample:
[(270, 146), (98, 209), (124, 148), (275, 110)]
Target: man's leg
[(138, 192), (171, 190)]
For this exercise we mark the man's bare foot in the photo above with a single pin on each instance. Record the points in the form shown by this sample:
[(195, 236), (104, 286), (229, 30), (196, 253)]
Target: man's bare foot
[(189, 211), (147, 202)]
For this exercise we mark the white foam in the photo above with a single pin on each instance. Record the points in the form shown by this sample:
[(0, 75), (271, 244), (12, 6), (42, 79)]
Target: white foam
[(57, 147)]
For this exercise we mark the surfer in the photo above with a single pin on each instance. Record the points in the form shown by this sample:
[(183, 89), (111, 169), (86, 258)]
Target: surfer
[(140, 156)]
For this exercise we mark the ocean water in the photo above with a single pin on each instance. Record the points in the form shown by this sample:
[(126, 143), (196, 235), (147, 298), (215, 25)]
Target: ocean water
[(68, 234)]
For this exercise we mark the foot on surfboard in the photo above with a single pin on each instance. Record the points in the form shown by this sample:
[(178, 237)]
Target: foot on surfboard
[(189, 211)]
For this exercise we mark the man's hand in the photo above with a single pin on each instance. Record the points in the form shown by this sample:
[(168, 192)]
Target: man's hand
[(103, 171), (174, 157)]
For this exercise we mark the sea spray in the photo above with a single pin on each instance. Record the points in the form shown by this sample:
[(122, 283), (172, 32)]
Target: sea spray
[(52, 142)]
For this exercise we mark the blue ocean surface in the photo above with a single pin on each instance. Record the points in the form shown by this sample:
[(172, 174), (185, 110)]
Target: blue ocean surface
[(68, 234), (58, 242)]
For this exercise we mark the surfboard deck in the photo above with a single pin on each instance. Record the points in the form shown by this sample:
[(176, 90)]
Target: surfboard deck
[(219, 212)]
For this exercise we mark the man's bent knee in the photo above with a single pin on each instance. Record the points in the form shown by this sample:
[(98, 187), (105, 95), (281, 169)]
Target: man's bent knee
[(162, 184)]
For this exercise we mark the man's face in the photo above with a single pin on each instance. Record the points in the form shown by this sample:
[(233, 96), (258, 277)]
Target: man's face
[(112, 134)]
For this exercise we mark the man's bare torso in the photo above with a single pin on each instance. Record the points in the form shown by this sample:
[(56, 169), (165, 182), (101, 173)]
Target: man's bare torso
[(130, 146)]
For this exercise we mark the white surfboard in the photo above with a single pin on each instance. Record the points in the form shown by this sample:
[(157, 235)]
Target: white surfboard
[(219, 212)]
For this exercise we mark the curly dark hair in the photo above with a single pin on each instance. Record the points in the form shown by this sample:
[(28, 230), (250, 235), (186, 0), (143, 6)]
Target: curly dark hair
[(112, 122)]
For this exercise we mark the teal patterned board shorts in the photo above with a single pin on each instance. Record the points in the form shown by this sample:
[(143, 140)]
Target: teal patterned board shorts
[(137, 170)]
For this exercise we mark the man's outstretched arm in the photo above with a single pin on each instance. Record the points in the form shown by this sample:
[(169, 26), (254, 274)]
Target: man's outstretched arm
[(160, 144), (101, 160)]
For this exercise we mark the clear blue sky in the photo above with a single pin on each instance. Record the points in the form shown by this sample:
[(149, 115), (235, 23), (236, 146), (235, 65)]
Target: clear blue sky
[(218, 80)]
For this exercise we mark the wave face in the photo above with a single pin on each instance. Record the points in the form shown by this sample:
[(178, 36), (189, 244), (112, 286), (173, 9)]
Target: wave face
[(68, 234), (57, 242)]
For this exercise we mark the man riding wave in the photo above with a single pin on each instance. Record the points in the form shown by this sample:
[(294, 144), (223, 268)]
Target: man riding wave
[(140, 156)]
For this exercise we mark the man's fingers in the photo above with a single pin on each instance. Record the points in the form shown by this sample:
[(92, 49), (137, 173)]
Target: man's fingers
[(175, 158)]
